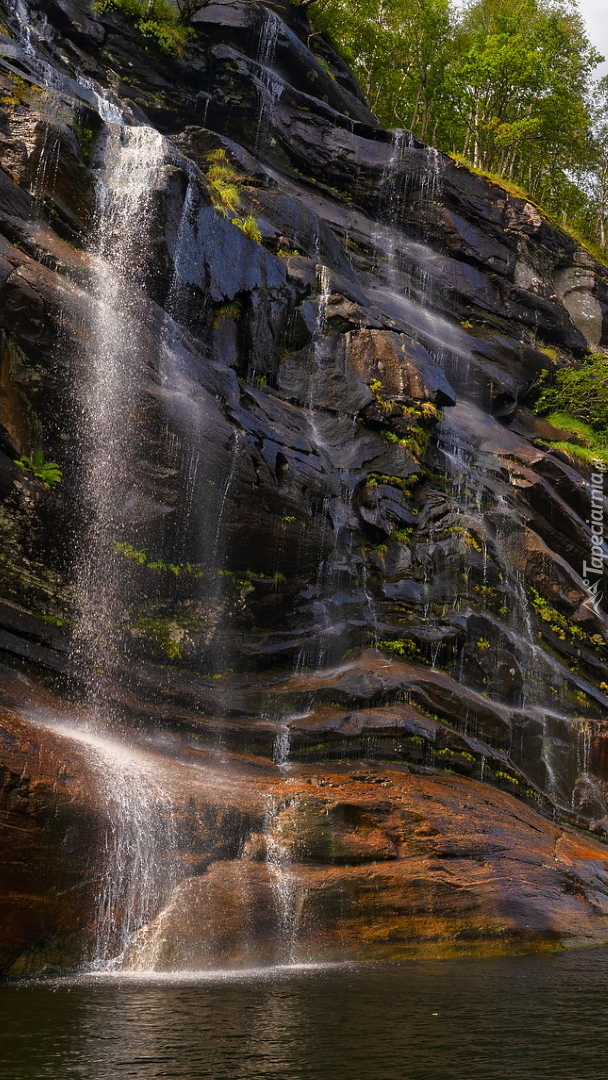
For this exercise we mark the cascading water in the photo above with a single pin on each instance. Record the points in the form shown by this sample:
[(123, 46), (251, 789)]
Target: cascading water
[(479, 498), (132, 160), (139, 852), (285, 890), (315, 656), (387, 235), (139, 870)]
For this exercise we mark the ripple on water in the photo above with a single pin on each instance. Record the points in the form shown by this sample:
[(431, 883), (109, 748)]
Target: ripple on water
[(522, 1018)]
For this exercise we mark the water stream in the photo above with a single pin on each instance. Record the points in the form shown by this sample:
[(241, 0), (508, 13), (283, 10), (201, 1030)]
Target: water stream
[(131, 161)]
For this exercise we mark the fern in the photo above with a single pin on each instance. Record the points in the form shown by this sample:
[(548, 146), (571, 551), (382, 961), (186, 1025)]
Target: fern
[(48, 472)]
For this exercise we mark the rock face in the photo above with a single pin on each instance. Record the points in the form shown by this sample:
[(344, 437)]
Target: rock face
[(312, 556)]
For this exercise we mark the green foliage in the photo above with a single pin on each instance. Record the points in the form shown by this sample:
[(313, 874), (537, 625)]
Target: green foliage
[(579, 394), (48, 472), (581, 454), (403, 649), (250, 227), (506, 776), (85, 136), (557, 622), (164, 635), (142, 558), (232, 310), (225, 185), (402, 536), (171, 38), (156, 20)]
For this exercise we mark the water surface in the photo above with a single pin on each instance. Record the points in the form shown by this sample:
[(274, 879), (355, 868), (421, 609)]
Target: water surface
[(529, 1017)]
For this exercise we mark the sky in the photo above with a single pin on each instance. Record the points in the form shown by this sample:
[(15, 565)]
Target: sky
[(595, 14)]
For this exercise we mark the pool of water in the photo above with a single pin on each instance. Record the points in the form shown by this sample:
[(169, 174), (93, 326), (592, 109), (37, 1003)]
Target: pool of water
[(519, 1017)]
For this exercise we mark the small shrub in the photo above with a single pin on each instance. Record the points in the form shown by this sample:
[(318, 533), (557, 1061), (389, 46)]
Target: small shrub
[(250, 227), (231, 310), (156, 20), (85, 136), (225, 185)]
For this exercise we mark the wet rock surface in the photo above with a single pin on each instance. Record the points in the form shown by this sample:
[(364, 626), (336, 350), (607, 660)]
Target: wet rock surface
[(342, 536), (364, 861)]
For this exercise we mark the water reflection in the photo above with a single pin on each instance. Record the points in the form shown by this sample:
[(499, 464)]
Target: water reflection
[(526, 1018)]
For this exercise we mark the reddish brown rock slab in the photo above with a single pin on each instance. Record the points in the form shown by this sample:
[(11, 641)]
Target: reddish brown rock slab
[(458, 869), (315, 862), (48, 826)]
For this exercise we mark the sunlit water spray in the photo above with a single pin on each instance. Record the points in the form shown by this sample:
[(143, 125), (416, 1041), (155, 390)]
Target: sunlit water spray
[(131, 168), (139, 859)]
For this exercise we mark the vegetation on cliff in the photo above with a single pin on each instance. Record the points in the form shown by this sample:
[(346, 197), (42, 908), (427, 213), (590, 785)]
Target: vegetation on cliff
[(509, 87)]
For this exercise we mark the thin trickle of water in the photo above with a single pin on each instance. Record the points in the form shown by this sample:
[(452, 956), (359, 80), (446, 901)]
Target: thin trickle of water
[(271, 85), (237, 446), (431, 178), (25, 28), (585, 735), (108, 110), (315, 656), (323, 295), (285, 889), (281, 748), (32, 32), (386, 235)]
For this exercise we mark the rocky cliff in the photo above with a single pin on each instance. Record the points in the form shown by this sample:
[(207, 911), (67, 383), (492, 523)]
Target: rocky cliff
[(302, 638)]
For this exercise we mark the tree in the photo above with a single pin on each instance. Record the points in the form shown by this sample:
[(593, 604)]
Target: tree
[(398, 49), (507, 84), (520, 88)]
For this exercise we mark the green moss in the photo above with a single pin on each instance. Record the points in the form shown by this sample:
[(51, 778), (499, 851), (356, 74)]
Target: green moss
[(404, 649), (249, 226), (557, 622), (232, 310), (55, 620), (163, 633), (507, 776), (402, 536), (142, 558), (85, 136)]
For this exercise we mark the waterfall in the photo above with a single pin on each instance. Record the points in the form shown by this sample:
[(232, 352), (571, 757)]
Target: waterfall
[(315, 656), (132, 161), (139, 868), (389, 203)]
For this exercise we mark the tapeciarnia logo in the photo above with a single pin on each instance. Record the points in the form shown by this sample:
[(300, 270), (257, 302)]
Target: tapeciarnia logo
[(593, 571)]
